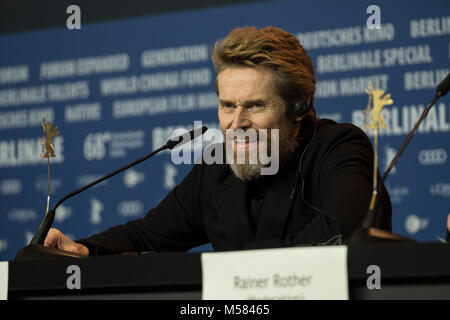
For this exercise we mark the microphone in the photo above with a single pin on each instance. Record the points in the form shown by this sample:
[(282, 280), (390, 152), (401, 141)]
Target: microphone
[(367, 233), (444, 86), (186, 137), (36, 250)]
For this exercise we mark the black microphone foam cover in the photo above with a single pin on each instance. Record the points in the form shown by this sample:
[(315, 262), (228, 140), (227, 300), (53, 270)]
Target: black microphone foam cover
[(186, 137), (444, 86)]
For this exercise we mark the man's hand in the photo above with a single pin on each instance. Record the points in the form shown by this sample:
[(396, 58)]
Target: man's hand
[(57, 239), (448, 228)]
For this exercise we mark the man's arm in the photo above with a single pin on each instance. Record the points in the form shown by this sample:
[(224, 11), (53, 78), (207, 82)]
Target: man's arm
[(174, 225), (346, 179)]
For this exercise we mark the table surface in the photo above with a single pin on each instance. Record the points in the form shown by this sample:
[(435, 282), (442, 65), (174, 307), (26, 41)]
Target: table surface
[(419, 270)]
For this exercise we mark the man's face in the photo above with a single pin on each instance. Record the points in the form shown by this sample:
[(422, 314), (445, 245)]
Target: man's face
[(248, 100)]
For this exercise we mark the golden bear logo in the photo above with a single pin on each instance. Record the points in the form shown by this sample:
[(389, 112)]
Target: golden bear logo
[(379, 99), (50, 132)]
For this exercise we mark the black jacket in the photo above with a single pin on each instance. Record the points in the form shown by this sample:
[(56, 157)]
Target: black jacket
[(329, 196)]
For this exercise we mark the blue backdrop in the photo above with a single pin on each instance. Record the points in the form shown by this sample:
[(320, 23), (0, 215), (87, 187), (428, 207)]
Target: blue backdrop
[(116, 90)]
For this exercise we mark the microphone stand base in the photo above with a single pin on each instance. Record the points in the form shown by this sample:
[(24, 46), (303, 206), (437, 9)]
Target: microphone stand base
[(377, 236), (39, 252)]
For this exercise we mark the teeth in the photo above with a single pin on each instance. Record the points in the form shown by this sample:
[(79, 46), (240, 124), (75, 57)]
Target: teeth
[(244, 140)]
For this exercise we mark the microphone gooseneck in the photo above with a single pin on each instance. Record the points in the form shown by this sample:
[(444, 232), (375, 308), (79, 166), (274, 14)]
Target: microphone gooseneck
[(47, 222), (441, 90)]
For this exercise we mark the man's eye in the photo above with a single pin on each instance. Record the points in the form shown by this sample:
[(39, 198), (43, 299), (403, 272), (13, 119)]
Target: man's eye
[(257, 105), (227, 105)]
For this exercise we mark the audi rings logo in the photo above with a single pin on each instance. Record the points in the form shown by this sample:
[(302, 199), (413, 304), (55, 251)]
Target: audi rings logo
[(132, 208), (429, 157), (10, 187)]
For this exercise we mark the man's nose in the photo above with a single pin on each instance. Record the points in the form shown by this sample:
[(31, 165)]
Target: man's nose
[(241, 118)]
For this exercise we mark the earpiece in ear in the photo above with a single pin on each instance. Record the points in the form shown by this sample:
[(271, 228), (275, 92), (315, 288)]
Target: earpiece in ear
[(301, 107)]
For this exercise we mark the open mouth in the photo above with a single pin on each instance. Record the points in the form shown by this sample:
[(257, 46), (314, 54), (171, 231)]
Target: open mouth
[(245, 141)]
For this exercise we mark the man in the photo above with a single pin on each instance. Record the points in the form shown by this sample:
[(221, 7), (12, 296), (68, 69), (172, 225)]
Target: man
[(265, 80)]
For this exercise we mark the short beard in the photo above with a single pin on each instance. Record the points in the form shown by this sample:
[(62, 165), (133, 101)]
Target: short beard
[(246, 172)]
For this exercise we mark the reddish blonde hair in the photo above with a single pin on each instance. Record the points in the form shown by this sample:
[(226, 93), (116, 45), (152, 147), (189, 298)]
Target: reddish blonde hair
[(272, 48)]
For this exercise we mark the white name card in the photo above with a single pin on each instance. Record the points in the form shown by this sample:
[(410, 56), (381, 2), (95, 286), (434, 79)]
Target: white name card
[(3, 280), (313, 273)]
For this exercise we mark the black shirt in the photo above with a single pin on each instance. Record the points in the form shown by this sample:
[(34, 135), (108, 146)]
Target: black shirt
[(257, 190)]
